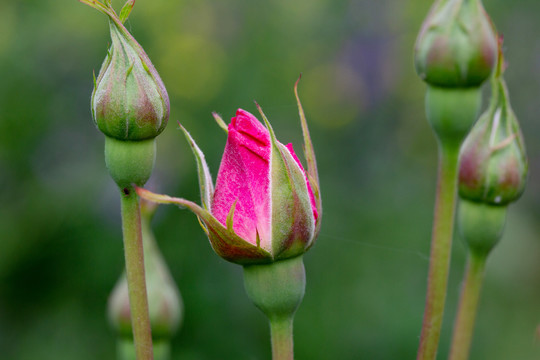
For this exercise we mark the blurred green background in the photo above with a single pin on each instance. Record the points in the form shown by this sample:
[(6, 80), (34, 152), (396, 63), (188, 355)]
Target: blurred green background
[(60, 233)]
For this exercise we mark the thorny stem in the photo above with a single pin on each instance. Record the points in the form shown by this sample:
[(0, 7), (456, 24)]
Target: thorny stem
[(441, 244), (133, 249)]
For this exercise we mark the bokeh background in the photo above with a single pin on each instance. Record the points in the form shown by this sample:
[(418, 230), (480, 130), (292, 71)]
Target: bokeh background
[(60, 233)]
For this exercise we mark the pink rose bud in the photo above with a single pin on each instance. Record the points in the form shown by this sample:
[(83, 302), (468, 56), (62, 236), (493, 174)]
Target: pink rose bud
[(265, 206), (457, 45), (493, 162), (274, 206)]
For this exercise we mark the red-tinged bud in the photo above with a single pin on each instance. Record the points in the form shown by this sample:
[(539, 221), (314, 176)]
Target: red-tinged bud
[(457, 45), (129, 101), (265, 207), (493, 162)]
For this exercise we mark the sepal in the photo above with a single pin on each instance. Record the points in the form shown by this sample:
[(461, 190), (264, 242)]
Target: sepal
[(205, 178), (309, 153), (220, 122), (293, 222), (225, 242)]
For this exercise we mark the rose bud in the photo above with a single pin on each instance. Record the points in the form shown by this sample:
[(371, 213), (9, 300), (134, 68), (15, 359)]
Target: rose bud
[(457, 44), (129, 101), (493, 162), (265, 207)]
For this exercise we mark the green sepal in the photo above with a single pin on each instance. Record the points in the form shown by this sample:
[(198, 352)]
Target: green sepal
[(220, 122), (126, 10), (230, 218), (103, 8), (293, 224), (309, 154), (205, 178), (225, 242)]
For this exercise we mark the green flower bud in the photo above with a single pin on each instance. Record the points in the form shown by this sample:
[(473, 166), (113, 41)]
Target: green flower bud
[(457, 44), (493, 166), (129, 101)]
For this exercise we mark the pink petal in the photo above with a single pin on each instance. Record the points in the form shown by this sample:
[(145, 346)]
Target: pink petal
[(244, 177), (311, 196)]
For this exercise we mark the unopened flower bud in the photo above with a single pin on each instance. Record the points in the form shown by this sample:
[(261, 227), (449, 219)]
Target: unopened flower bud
[(129, 101), (493, 166), (265, 207), (457, 44)]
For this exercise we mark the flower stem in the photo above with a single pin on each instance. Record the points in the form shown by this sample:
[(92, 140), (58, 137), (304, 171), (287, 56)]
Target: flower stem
[(441, 245), (281, 330), (133, 249), (126, 350), (468, 304)]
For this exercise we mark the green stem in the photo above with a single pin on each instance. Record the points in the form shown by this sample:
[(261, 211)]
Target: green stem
[(281, 330), (468, 304), (441, 244), (133, 248), (126, 349)]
